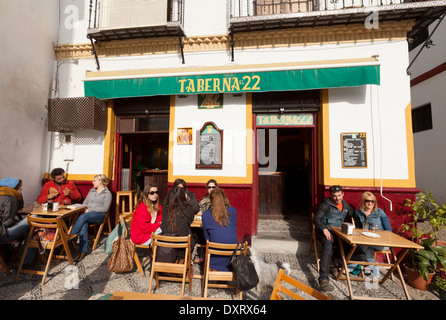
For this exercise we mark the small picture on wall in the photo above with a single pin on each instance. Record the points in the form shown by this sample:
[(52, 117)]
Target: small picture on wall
[(184, 136)]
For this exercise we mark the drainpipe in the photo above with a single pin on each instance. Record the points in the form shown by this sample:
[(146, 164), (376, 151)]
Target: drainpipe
[(380, 147)]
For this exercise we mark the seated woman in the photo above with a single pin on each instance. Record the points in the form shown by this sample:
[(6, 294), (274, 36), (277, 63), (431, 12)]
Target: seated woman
[(98, 202), (205, 202), (147, 217), (178, 215), (369, 211), (220, 225)]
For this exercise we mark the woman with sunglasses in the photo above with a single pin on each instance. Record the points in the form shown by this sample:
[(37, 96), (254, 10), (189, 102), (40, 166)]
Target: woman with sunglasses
[(205, 202), (369, 212), (147, 217)]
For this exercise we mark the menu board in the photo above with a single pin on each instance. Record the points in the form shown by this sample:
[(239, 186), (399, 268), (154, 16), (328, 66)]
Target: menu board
[(354, 150)]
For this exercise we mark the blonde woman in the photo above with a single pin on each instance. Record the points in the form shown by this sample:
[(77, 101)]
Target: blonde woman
[(220, 225), (147, 217), (369, 212), (98, 202)]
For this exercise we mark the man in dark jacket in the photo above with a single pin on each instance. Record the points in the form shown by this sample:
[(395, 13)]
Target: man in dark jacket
[(331, 213), (11, 201)]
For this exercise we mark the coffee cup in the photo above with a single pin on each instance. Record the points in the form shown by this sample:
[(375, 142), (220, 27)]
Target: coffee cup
[(55, 206)]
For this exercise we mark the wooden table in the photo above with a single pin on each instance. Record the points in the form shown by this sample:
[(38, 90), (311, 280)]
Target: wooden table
[(197, 223), (386, 239), (123, 295), (63, 213)]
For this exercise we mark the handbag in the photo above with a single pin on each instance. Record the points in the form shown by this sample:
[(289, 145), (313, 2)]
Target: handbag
[(121, 260), (44, 235), (166, 254), (245, 273), (112, 237)]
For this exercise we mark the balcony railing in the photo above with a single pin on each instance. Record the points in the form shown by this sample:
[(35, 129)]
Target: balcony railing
[(246, 8), (128, 19)]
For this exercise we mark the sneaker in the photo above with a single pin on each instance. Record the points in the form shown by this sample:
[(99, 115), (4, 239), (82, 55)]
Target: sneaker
[(325, 285), (334, 271), (80, 257)]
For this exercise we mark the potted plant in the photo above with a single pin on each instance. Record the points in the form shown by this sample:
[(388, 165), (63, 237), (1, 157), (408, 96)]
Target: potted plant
[(424, 262), (425, 209), (440, 285)]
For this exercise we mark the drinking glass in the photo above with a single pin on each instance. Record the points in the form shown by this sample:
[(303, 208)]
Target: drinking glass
[(366, 226), (375, 227)]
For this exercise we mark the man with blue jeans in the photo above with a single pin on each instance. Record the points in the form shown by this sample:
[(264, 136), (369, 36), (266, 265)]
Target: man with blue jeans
[(331, 213)]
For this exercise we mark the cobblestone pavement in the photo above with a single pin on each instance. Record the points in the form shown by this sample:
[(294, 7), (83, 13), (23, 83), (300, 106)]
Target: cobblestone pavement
[(95, 278)]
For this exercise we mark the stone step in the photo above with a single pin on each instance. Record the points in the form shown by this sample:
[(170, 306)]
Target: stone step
[(282, 242)]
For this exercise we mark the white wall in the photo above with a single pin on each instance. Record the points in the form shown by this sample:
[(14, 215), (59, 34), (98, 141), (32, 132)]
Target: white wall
[(231, 118), (380, 112), (377, 110), (430, 145), (29, 29)]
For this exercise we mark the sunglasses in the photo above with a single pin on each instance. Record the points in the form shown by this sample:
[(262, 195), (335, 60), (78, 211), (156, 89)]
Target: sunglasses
[(153, 192), (212, 187), (369, 201), (335, 188)]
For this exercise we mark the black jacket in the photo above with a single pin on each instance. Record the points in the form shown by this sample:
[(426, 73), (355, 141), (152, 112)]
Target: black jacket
[(328, 215)]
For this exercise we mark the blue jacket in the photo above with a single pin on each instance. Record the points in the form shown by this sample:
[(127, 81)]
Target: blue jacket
[(376, 216), (214, 233)]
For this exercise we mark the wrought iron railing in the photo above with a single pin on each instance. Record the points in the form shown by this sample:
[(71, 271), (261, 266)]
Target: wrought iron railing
[(100, 10), (246, 8)]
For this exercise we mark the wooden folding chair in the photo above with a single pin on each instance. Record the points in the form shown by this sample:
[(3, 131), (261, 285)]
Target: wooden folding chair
[(127, 219), (125, 202), (101, 227), (291, 286), (4, 267), (170, 271), (61, 238), (220, 249), (314, 243)]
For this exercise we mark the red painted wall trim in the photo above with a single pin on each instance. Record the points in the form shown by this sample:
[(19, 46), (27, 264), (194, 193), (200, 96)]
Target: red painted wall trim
[(429, 74)]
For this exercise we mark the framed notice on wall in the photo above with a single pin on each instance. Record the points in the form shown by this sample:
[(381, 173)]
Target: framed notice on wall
[(184, 136), (354, 150), (209, 147)]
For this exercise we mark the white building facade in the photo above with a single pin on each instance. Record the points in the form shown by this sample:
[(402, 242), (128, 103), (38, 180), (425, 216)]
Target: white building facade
[(277, 102)]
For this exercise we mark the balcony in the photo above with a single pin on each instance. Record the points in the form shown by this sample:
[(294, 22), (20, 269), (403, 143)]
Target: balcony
[(119, 20), (259, 15)]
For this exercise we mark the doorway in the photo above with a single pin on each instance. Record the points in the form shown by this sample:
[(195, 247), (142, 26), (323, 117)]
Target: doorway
[(286, 188), (152, 167)]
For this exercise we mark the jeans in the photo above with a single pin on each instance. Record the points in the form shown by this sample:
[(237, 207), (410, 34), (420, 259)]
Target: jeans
[(20, 231), (369, 252), (328, 250), (331, 253), (81, 227)]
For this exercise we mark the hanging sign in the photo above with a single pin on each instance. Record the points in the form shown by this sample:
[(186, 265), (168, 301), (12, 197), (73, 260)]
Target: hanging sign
[(292, 119)]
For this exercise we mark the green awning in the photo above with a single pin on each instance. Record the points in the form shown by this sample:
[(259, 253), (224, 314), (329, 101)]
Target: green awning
[(234, 82)]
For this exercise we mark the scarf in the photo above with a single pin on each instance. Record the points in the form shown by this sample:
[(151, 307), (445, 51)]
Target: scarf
[(7, 191)]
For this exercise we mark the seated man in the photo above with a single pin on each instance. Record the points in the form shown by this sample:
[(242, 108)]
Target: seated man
[(59, 189), (331, 213), (11, 226)]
